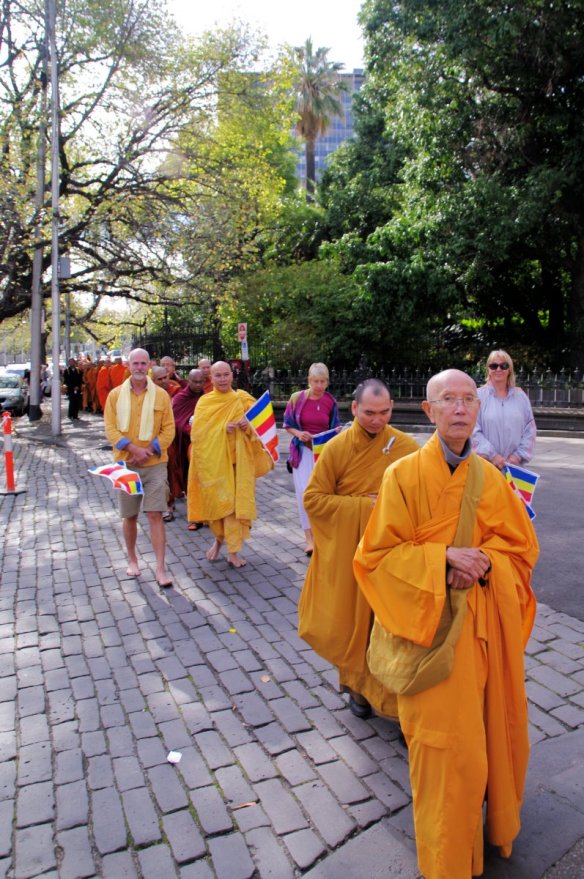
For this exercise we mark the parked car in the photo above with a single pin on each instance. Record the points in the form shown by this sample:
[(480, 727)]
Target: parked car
[(13, 393), (21, 369)]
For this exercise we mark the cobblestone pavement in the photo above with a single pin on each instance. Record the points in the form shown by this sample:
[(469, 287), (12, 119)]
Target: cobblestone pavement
[(101, 677)]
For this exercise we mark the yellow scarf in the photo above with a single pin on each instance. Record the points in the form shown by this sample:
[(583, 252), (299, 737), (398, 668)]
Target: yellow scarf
[(124, 408)]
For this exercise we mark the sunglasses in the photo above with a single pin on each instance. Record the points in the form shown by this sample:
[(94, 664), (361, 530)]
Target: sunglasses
[(498, 366)]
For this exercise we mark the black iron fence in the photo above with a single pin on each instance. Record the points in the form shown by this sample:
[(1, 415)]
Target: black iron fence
[(557, 390)]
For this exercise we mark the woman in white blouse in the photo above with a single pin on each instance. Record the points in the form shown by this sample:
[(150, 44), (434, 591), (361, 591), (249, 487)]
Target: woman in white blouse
[(505, 430)]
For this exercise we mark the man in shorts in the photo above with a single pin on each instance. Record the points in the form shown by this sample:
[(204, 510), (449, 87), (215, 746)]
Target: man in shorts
[(140, 426)]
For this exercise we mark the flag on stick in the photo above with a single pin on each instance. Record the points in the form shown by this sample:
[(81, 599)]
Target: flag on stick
[(120, 477), (523, 482), (262, 419), (320, 440)]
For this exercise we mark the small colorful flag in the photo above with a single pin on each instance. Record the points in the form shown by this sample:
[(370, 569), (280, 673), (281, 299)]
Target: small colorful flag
[(523, 482), (320, 440), (120, 477), (262, 419)]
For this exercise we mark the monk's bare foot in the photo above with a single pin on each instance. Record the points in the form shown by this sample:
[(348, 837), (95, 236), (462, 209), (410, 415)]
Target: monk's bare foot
[(213, 552), (133, 570), (235, 560), (163, 579)]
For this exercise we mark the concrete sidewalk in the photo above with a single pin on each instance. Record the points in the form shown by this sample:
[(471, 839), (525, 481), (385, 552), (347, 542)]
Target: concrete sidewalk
[(102, 676)]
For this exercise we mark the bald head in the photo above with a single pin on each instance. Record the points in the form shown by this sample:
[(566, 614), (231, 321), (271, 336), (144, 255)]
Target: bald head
[(221, 376), (196, 380), (441, 380), (205, 366), (159, 374)]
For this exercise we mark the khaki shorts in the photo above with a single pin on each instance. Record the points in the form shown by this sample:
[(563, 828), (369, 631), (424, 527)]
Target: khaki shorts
[(156, 493)]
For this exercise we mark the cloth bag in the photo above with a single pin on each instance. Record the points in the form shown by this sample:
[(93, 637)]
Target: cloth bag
[(404, 667)]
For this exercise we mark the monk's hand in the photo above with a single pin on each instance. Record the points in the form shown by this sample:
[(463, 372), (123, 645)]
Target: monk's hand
[(458, 580), (514, 459), (467, 560), (243, 423), (499, 462), (231, 426)]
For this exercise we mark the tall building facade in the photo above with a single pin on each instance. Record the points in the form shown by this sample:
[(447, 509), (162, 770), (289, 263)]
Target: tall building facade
[(339, 130)]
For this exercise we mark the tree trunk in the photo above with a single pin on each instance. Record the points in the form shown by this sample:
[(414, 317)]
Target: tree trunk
[(576, 310), (310, 169)]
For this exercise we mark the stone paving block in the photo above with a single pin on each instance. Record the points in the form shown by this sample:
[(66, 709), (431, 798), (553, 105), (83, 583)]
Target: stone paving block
[(210, 810), (128, 773), (274, 739), (182, 691), (6, 818), (325, 722), (166, 787), (196, 717), (305, 847), (343, 783), (280, 806), (367, 813), (65, 736), (571, 715), (109, 828), (236, 682), (184, 837), (171, 669), (247, 660), (175, 735), (77, 861), (560, 662), (34, 852), (132, 700), (300, 694), (30, 701), (88, 715), (83, 687), (553, 680), (193, 769), (8, 688), (72, 805), (8, 745), (151, 752), (317, 748), (142, 724), (162, 706), (120, 742), (7, 780), (255, 762), (141, 816), (566, 632), (112, 716), (570, 649), (270, 858), (35, 804), (76, 666), (61, 706), (32, 729), (236, 790), (213, 749), (290, 716), (397, 769), (35, 763), (119, 866), (231, 728), (331, 821), (214, 698), (295, 767), (541, 696), (125, 678), (26, 677), (106, 691), (100, 772), (353, 755), (231, 858), (544, 721), (156, 861), (7, 716), (386, 791)]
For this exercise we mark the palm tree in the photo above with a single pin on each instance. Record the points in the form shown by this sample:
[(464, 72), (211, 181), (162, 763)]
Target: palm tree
[(319, 88)]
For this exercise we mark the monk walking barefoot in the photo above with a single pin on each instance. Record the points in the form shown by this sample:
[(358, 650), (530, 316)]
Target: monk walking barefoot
[(213, 552)]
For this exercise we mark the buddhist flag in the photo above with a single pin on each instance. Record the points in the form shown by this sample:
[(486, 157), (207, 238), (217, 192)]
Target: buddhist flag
[(120, 477), (320, 440), (523, 482), (262, 419)]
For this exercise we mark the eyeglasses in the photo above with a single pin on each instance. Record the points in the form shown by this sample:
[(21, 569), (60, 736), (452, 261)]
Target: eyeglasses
[(449, 401), (498, 365)]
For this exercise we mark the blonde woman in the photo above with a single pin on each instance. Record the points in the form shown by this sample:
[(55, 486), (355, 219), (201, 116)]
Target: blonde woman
[(308, 412), (505, 430)]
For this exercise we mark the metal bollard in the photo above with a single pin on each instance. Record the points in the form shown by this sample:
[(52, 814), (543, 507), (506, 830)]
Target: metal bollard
[(9, 456)]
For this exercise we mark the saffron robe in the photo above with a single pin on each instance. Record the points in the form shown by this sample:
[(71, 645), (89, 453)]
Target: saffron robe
[(222, 470), (103, 386), (467, 735), (333, 616)]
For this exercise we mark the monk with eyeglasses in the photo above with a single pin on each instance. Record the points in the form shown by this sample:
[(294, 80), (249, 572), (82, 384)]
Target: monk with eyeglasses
[(445, 563)]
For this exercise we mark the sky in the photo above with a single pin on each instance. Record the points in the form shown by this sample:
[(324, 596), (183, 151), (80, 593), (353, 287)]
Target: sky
[(330, 23)]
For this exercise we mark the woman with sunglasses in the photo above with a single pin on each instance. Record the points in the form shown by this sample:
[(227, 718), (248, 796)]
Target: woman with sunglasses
[(505, 430)]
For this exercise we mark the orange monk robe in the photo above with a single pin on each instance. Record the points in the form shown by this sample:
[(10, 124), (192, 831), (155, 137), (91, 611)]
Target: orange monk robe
[(90, 378), (118, 374), (467, 736), (221, 481), (103, 385), (334, 617)]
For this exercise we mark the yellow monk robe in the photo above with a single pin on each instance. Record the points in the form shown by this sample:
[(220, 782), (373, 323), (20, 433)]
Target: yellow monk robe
[(221, 481), (334, 617), (467, 736)]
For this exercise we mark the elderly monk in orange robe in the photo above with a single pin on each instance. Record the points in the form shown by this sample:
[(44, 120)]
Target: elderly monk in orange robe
[(334, 617), (221, 485), (448, 533), (204, 365)]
